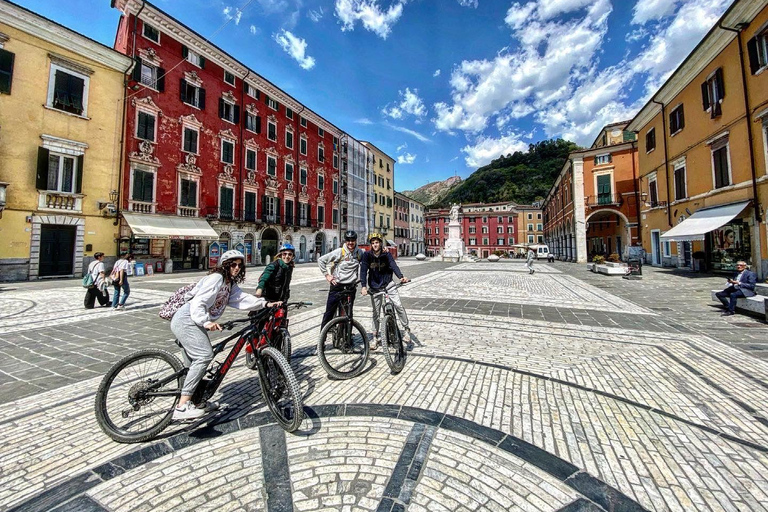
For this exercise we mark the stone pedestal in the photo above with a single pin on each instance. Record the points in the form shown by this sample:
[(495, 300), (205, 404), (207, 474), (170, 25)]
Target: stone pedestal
[(454, 249)]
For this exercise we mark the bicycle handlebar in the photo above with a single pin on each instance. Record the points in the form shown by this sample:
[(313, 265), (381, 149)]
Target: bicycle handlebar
[(226, 326)]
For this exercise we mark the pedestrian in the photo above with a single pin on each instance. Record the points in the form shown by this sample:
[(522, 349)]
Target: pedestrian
[(742, 285), (119, 277), (529, 260), (341, 268), (98, 290)]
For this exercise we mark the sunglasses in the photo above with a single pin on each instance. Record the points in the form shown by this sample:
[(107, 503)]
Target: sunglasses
[(236, 265), (287, 254)]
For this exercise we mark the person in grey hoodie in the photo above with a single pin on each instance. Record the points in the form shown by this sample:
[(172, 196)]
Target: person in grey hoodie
[(529, 260), (341, 268)]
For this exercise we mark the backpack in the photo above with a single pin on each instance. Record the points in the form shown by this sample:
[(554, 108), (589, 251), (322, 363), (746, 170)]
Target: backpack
[(357, 253), (175, 302), (88, 278)]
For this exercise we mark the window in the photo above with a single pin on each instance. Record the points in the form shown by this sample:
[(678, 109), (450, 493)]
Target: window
[(538, 216), (270, 208), (192, 95), (251, 91), (229, 78), (303, 145), (666, 248), (540, 239), (227, 151), (712, 93), (250, 207), (320, 182), (530, 239), (67, 90), (320, 154), (485, 219), (680, 188), (335, 216), (485, 241), (757, 48), (530, 227), (303, 176), (530, 216), (6, 71), (538, 227), (289, 211), (499, 241), (188, 193), (499, 219), (143, 186), (720, 163), (320, 132), (250, 159), (650, 140), (304, 214), (145, 126), (288, 171), (146, 74), (473, 241), (335, 187), (335, 161), (510, 230), (288, 139), (472, 230), (63, 173), (274, 105), (303, 121), (485, 230), (252, 123), (226, 202), (604, 195), (499, 229), (151, 33), (321, 214), (389, 186), (190, 140), (229, 111), (653, 192), (602, 159), (193, 57), (271, 131), (288, 113), (676, 120)]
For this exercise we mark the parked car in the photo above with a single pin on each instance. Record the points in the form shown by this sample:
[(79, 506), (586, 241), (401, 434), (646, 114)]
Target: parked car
[(542, 251)]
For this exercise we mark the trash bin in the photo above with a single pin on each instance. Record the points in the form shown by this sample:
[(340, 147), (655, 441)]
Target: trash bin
[(636, 264)]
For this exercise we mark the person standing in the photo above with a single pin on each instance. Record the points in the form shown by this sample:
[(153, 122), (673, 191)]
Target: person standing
[(119, 277), (98, 289), (341, 268), (275, 281), (529, 260), (743, 285)]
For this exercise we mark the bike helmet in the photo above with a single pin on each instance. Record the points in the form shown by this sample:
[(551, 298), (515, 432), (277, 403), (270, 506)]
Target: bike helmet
[(376, 236), (287, 247), (350, 235), (231, 255)]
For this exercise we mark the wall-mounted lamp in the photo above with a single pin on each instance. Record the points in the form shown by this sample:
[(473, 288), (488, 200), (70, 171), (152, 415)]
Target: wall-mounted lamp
[(111, 206), (644, 196), (3, 189)]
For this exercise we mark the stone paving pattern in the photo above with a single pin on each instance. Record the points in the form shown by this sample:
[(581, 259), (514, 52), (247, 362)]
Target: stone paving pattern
[(653, 407)]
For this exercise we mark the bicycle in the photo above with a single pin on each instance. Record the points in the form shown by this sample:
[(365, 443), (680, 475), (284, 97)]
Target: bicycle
[(394, 348), (343, 347), (136, 398), (275, 328)]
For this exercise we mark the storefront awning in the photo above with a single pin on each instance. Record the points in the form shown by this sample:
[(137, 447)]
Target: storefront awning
[(702, 222), (160, 226)]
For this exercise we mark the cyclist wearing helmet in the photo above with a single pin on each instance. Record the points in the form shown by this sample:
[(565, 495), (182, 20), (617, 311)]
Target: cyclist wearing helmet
[(341, 268), (203, 306), (376, 271), (275, 281)]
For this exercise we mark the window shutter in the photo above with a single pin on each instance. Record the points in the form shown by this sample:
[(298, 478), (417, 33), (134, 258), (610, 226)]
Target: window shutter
[(150, 128), (266, 99), (137, 69), (149, 180), (201, 106), (141, 128), (263, 205), (202, 62), (6, 71), (754, 61), (183, 90), (297, 219), (237, 114), (705, 95), (221, 108), (681, 123), (245, 87), (160, 80), (41, 181), (258, 94), (258, 124), (184, 51), (720, 83), (277, 207), (184, 199)]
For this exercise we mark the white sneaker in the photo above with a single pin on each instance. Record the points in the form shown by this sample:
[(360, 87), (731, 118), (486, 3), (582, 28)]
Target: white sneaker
[(208, 406), (188, 411), (376, 342)]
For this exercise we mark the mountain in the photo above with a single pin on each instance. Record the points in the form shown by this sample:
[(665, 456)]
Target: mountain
[(519, 177), (432, 193)]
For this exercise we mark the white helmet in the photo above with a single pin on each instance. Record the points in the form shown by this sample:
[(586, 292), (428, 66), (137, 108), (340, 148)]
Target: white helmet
[(231, 255)]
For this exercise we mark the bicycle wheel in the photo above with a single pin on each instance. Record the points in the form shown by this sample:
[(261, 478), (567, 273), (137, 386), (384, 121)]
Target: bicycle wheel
[(394, 349), (280, 389), (127, 409), (282, 343), (343, 348)]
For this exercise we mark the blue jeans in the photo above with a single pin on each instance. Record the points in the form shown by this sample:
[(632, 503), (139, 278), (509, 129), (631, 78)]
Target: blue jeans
[(732, 294), (126, 292)]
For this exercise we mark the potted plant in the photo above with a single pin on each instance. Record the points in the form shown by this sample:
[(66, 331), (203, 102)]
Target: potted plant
[(599, 260)]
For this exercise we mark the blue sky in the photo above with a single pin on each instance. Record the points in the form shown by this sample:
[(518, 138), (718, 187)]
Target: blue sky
[(444, 86)]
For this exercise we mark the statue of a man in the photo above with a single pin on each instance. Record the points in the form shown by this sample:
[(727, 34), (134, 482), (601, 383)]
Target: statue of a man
[(455, 212)]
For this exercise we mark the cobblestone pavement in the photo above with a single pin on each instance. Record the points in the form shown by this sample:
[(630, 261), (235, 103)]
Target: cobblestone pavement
[(560, 391)]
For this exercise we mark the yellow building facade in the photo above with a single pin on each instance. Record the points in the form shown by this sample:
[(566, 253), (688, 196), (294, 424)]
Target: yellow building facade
[(703, 147), (61, 113), (383, 191)]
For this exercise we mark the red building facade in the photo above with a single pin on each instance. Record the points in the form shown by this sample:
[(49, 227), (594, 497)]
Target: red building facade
[(485, 228), (211, 144)]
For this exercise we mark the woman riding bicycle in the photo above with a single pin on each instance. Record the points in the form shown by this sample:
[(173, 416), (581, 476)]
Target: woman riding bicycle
[(205, 304), (376, 269)]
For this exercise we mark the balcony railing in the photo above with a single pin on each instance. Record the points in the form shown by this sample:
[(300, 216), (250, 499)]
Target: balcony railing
[(187, 211), (141, 207), (604, 200), (60, 201), (229, 214)]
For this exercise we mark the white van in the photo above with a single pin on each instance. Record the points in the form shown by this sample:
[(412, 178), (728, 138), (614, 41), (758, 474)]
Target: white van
[(541, 250)]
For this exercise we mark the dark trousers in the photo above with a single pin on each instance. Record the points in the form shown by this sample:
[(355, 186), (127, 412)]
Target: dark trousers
[(334, 298), (731, 293), (93, 293)]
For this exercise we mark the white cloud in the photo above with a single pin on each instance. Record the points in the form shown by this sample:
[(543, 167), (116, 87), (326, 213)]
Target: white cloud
[(364, 121), (648, 10), (403, 129), (486, 149), (369, 14), (233, 13), (253, 29), (296, 48), (636, 35), (410, 103), (436, 73), (402, 147), (468, 3), (406, 158), (316, 14)]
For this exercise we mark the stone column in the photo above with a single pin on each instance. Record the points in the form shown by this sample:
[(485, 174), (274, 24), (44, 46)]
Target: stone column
[(578, 210)]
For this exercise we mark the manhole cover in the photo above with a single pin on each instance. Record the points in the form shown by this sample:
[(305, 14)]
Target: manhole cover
[(751, 326)]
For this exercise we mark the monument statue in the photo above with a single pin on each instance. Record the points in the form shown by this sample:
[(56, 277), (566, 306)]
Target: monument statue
[(455, 212), (454, 249)]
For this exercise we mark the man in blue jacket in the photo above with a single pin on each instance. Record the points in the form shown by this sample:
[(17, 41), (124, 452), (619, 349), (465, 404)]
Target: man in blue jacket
[(743, 285), (376, 269)]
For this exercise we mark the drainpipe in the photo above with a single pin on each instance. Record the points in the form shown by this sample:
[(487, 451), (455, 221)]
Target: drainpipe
[(666, 158), (748, 112)]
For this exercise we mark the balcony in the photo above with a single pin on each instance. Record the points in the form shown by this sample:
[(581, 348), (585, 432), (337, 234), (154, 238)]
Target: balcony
[(51, 200), (187, 211), (229, 214), (141, 207), (601, 200)]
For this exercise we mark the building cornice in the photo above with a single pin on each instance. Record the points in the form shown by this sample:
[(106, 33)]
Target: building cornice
[(47, 30), (710, 47)]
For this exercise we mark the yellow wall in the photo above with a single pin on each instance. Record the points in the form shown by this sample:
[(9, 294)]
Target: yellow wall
[(23, 119), (378, 208)]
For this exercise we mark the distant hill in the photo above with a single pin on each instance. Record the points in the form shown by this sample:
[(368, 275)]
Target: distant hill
[(519, 177), (432, 193)]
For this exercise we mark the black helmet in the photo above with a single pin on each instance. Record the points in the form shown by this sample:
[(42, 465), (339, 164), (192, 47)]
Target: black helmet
[(350, 235)]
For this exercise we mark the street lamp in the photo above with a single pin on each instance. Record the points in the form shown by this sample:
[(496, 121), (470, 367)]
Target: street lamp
[(113, 197), (3, 188)]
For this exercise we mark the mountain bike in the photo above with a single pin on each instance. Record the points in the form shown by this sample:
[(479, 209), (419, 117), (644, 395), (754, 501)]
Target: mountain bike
[(394, 348), (136, 398), (274, 326), (343, 346)]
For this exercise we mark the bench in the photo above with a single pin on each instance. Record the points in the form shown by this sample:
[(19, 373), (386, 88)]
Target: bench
[(756, 305)]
